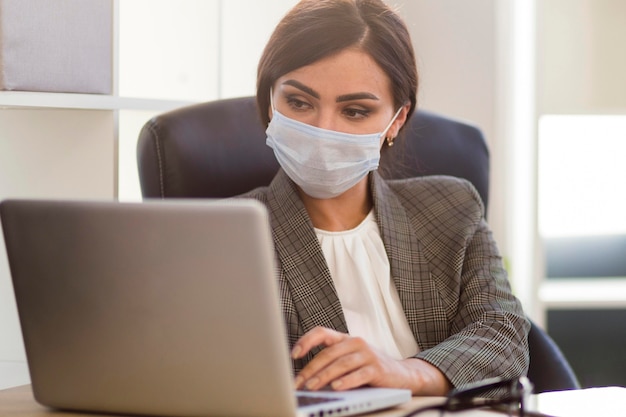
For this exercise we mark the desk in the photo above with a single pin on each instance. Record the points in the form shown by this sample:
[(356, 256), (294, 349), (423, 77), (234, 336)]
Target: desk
[(19, 402)]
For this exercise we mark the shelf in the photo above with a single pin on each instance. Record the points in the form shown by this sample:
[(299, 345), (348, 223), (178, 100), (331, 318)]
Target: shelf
[(580, 293), (24, 99), (577, 111)]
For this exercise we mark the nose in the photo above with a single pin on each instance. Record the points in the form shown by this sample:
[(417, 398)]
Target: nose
[(326, 119)]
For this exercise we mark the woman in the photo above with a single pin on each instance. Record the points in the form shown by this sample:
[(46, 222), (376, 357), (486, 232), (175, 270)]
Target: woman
[(383, 283)]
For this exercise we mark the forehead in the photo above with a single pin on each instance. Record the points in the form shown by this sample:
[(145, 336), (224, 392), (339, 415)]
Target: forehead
[(348, 71)]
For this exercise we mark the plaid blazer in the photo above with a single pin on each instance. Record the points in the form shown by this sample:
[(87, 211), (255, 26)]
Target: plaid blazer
[(444, 263)]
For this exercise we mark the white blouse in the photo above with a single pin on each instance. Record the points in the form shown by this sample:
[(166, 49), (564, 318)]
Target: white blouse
[(361, 273)]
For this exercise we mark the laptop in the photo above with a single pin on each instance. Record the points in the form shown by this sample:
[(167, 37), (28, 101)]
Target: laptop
[(158, 308)]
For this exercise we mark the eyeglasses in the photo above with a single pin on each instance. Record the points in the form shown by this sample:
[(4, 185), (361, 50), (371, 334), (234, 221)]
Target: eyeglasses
[(511, 396)]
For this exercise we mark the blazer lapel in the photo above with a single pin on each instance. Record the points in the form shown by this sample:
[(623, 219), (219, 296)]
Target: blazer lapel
[(301, 259), (409, 268)]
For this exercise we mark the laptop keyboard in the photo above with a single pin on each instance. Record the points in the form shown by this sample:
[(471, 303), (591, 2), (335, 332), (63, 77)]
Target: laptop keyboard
[(304, 400)]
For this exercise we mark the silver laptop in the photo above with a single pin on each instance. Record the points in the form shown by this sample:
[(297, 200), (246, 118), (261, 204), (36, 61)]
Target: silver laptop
[(160, 308)]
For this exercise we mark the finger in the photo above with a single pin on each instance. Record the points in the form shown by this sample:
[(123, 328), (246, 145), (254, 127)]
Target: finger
[(335, 370), (316, 337), (333, 362), (357, 378)]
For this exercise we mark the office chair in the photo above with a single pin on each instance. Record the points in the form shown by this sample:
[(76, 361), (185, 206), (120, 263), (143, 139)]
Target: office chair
[(217, 149)]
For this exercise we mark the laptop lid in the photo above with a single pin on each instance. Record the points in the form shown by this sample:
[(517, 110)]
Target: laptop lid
[(163, 308)]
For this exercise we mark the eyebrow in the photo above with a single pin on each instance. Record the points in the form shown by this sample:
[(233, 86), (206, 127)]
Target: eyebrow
[(300, 86), (341, 98), (356, 96)]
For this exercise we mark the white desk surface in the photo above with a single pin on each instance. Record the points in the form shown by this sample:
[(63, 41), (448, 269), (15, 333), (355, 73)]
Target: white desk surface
[(588, 402)]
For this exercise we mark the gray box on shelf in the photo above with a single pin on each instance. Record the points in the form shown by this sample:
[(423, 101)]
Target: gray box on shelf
[(63, 46)]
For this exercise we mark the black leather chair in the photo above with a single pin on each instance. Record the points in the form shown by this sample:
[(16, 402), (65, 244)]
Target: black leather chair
[(217, 149)]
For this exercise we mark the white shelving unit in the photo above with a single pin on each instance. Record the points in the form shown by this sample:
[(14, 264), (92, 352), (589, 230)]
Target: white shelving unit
[(36, 100)]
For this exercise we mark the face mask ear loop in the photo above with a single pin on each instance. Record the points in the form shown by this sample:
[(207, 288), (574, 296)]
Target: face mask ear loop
[(393, 119), (272, 99)]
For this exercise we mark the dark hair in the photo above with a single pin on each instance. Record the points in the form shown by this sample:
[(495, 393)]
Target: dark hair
[(314, 29)]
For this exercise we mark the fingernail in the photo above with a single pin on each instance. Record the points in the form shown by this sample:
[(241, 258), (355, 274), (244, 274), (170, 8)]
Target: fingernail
[(298, 381), (295, 352), (312, 383), (336, 384)]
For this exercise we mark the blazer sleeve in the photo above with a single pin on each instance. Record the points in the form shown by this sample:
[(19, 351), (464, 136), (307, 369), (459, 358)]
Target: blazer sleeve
[(488, 328)]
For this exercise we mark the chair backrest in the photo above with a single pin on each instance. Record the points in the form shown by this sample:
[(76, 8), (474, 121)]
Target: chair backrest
[(217, 149), (549, 370)]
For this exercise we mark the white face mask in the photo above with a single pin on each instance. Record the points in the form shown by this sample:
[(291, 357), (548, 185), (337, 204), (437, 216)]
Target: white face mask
[(324, 163)]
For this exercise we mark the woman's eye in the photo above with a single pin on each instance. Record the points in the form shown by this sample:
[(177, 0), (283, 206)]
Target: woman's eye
[(297, 104), (356, 113)]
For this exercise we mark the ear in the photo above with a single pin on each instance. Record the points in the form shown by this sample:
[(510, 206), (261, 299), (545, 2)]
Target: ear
[(400, 120)]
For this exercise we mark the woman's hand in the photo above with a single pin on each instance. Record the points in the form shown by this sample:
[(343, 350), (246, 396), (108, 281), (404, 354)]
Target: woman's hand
[(349, 362)]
